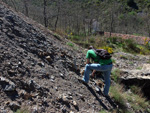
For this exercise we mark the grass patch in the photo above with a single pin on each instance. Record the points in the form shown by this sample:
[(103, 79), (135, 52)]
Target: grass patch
[(137, 102), (75, 38), (115, 75), (148, 61), (139, 68), (103, 111), (83, 44), (123, 57), (116, 94), (136, 90), (113, 60), (70, 44), (131, 62), (22, 111)]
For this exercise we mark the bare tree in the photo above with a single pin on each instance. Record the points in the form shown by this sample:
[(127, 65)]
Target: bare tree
[(14, 5), (44, 13), (113, 9), (26, 7), (147, 21), (57, 17)]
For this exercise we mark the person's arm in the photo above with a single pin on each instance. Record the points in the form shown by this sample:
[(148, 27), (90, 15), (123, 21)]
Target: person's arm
[(87, 61)]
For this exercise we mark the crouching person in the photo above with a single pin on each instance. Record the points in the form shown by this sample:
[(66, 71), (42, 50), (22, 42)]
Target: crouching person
[(103, 65)]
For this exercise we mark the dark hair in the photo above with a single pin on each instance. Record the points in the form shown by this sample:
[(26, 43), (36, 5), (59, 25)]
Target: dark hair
[(91, 47)]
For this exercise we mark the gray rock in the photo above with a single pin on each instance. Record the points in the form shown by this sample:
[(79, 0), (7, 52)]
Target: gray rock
[(14, 106), (7, 84)]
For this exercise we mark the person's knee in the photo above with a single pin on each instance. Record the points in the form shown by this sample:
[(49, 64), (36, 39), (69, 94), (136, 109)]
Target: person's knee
[(87, 66)]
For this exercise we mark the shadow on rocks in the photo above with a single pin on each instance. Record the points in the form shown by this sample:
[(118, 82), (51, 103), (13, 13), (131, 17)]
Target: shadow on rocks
[(97, 98), (108, 99)]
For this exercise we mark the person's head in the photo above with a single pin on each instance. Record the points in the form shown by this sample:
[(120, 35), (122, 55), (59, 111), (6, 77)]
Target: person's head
[(91, 47)]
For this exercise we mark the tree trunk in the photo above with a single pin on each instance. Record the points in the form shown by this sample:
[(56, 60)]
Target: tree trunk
[(57, 18), (26, 8), (147, 24), (111, 23), (78, 28), (84, 28), (13, 5), (90, 26), (56, 22), (44, 13), (65, 22)]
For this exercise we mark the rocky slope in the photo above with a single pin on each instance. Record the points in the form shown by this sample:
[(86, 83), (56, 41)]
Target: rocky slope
[(39, 72)]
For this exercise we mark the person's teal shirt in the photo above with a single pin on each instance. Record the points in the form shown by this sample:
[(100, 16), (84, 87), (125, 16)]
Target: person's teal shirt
[(92, 55)]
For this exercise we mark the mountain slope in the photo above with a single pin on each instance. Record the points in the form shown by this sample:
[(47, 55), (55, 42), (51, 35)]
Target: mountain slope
[(38, 72)]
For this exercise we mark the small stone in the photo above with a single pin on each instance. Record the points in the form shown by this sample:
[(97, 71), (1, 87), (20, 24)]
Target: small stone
[(62, 75), (11, 72), (41, 64), (74, 103), (128, 105), (56, 88), (97, 89), (35, 109), (19, 63), (52, 77), (10, 87), (48, 58)]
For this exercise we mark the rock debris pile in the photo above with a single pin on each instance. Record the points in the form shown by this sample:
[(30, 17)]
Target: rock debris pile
[(39, 72)]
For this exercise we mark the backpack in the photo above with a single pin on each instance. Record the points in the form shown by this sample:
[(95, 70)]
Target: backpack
[(103, 54)]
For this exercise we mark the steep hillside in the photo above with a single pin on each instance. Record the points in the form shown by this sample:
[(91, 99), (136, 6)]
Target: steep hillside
[(39, 73)]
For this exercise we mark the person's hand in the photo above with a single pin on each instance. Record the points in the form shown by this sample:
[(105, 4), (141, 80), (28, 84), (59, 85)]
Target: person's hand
[(93, 74)]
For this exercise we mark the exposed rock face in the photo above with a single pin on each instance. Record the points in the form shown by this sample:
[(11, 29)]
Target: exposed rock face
[(135, 70), (38, 72), (139, 78)]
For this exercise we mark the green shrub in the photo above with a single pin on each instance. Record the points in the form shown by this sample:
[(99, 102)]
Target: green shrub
[(130, 46), (115, 40), (143, 50)]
